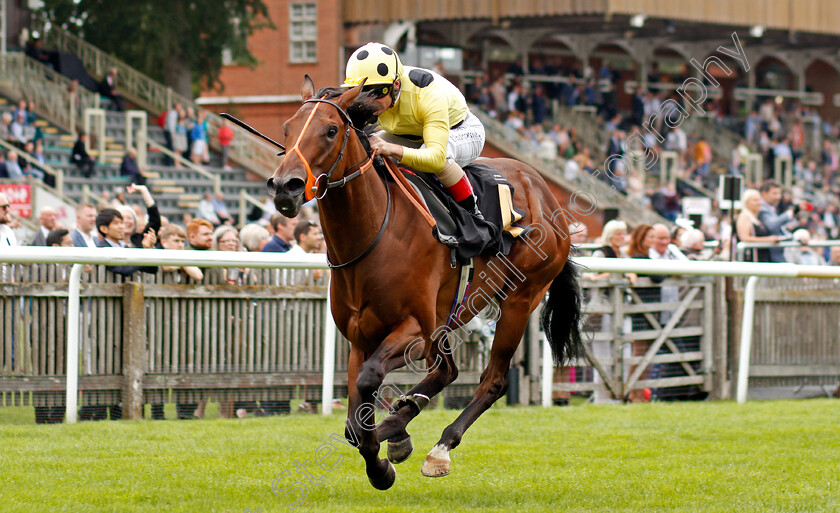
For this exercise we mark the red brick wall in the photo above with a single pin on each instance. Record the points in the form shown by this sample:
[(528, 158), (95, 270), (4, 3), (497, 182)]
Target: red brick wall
[(275, 75)]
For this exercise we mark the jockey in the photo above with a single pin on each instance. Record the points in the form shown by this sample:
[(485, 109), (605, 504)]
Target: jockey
[(425, 121)]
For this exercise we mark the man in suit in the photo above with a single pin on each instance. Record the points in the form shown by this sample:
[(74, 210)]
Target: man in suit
[(284, 230), (48, 219), (771, 194), (82, 235)]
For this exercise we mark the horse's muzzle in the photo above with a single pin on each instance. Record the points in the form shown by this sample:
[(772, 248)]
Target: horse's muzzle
[(287, 194)]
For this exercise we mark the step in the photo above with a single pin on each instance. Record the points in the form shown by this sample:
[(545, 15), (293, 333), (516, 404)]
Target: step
[(190, 205), (190, 197), (169, 190)]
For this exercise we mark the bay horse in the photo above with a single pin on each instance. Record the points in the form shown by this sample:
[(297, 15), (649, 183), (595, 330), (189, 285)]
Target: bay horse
[(392, 283)]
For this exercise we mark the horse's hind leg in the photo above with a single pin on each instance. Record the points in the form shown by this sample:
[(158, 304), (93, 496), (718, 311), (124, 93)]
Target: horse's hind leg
[(494, 381)]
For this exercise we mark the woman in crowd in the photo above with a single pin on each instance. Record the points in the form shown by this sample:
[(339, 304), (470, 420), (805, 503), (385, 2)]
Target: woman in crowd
[(133, 235), (749, 229), (641, 240)]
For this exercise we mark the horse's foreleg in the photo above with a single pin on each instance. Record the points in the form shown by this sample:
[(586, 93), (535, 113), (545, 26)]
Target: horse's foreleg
[(371, 373), (443, 372), (494, 381)]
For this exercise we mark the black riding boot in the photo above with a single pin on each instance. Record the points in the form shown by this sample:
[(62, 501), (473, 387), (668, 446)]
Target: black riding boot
[(470, 204)]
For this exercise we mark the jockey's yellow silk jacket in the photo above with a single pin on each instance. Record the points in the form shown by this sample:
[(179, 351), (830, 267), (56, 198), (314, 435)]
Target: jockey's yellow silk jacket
[(427, 107)]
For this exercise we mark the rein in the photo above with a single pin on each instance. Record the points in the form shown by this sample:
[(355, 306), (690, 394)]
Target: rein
[(314, 185)]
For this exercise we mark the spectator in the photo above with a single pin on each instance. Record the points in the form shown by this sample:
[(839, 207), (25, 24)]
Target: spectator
[(7, 236), (308, 237), (6, 126), (60, 237), (773, 222), (84, 163), (135, 235), (220, 209), (642, 240), (131, 169), (198, 140), (662, 248), (207, 211), (225, 139), (82, 235), (108, 89), (170, 127), (200, 234), (111, 231), (27, 168), (48, 219), (692, 245), (254, 237), (181, 141), (748, 228), (12, 166), (834, 255), (804, 254), (19, 130), (284, 229), (172, 237)]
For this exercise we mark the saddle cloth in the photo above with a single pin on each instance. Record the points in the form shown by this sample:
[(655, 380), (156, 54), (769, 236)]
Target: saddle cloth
[(458, 229)]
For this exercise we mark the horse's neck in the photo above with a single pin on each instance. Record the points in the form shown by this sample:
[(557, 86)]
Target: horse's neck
[(351, 216)]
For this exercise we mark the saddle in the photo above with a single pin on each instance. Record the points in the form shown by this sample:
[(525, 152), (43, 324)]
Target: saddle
[(460, 231)]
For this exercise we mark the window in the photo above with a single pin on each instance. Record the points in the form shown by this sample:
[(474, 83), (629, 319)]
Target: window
[(303, 32)]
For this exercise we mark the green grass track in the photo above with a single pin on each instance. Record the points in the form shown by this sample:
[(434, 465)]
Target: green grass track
[(770, 456)]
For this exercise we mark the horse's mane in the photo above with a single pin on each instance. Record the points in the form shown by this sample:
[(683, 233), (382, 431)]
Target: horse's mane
[(361, 112)]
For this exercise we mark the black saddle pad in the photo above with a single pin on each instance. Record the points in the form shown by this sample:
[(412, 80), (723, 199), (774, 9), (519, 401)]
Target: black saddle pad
[(457, 228)]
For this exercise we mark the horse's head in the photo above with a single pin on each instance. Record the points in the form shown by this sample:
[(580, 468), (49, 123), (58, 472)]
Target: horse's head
[(319, 133)]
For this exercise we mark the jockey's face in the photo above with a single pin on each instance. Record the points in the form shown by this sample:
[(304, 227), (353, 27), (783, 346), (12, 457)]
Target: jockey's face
[(384, 103)]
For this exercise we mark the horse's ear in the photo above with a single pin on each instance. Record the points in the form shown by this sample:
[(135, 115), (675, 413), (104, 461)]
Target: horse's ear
[(347, 99), (307, 89)]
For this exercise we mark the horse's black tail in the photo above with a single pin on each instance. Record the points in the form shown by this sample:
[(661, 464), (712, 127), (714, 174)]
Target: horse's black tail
[(561, 316)]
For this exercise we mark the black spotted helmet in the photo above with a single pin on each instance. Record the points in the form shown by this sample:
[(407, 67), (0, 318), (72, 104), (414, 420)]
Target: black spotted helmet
[(375, 61)]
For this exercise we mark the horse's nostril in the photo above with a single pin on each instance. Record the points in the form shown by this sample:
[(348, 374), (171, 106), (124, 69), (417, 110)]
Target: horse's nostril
[(294, 186)]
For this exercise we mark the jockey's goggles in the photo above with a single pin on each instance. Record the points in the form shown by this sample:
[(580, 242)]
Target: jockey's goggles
[(378, 91)]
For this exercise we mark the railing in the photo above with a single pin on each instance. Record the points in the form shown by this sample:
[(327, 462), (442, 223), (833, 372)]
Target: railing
[(49, 90), (244, 200), (140, 339), (647, 335), (523, 150), (246, 149), (58, 174), (742, 247), (217, 183)]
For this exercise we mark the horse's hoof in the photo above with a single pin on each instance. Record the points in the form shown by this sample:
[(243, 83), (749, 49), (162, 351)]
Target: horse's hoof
[(398, 452), (386, 480), (437, 462)]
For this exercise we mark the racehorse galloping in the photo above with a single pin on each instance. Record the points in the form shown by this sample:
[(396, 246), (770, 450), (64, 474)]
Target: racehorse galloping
[(399, 286)]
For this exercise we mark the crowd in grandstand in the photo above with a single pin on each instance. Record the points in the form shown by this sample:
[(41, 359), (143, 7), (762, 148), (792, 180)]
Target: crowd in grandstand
[(774, 129)]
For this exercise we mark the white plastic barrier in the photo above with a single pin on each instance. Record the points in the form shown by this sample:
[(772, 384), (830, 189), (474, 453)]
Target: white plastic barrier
[(116, 256), (146, 257), (699, 268)]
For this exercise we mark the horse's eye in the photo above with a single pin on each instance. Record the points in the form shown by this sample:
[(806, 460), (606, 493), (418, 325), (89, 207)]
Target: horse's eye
[(331, 131)]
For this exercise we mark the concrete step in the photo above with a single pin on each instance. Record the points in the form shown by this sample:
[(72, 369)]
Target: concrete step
[(167, 190)]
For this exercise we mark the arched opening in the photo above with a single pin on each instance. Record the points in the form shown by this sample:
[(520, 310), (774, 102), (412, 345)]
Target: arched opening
[(822, 77), (612, 61)]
